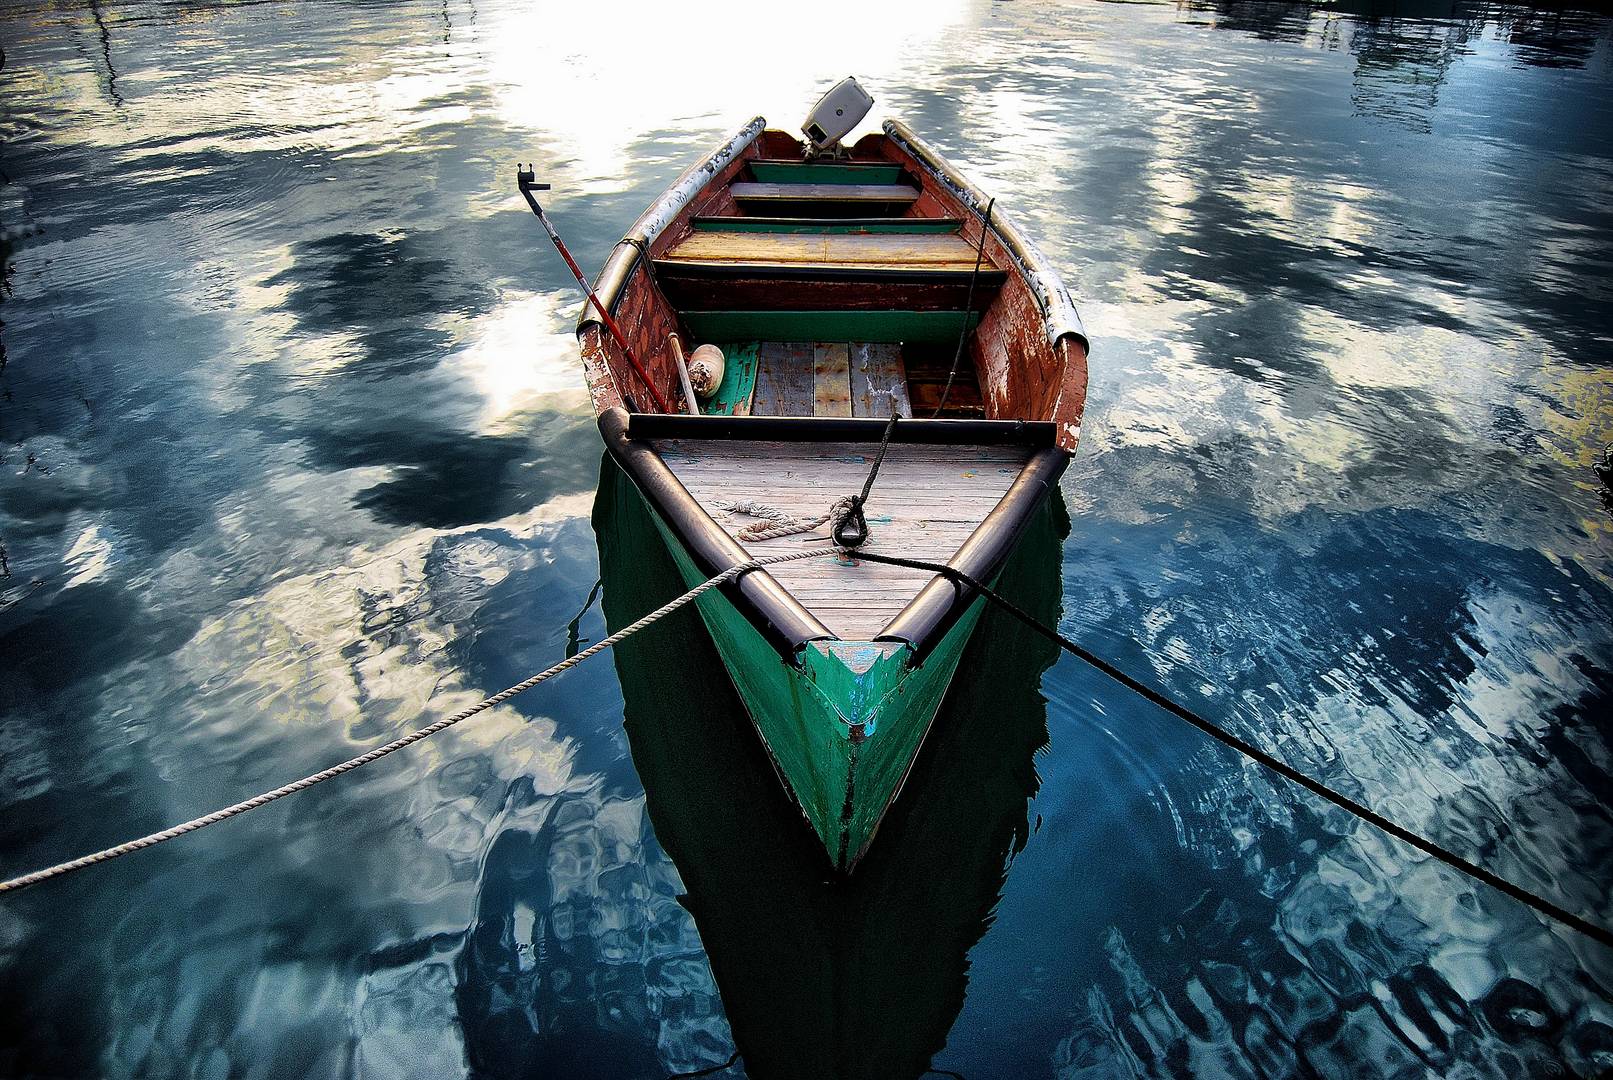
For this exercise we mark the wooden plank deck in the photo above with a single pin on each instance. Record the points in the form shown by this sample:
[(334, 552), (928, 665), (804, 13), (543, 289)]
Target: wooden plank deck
[(878, 380), (798, 378), (784, 384), (926, 502), (784, 379)]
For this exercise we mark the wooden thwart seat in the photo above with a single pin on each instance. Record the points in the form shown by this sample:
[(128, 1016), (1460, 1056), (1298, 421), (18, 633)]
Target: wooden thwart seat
[(758, 223), (871, 256), (823, 193)]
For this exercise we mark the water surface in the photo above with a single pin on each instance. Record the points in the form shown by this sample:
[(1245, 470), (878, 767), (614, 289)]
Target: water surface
[(294, 455)]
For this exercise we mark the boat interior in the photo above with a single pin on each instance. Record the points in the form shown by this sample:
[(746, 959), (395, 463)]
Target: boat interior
[(831, 292), (838, 289)]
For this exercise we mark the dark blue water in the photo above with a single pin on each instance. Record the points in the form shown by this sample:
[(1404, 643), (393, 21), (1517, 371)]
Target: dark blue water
[(294, 454)]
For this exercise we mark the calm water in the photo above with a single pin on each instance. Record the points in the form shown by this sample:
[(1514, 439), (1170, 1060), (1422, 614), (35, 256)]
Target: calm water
[(294, 454)]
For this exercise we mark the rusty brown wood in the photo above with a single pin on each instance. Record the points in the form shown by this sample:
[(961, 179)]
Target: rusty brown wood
[(831, 379), (776, 294), (1020, 374)]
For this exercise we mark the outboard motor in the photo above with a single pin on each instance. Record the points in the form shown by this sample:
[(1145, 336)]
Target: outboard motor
[(833, 117)]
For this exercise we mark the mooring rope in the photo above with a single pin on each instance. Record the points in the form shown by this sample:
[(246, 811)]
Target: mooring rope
[(968, 310), (320, 777), (1365, 813), (774, 522), (851, 529), (847, 525), (1539, 903), (960, 580)]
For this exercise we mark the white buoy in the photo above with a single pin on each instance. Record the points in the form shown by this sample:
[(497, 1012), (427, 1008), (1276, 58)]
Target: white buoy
[(706, 365)]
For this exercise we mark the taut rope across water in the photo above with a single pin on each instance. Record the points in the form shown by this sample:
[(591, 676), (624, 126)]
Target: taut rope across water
[(349, 765), (849, 533)]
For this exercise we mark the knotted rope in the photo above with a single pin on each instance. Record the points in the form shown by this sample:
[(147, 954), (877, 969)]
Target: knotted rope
[(847, 526), (772, 522)]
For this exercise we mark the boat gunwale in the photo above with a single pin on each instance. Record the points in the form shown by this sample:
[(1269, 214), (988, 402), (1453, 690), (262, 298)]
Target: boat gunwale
[(783, 621), (680, 195), (926, 618), (1059, 314)]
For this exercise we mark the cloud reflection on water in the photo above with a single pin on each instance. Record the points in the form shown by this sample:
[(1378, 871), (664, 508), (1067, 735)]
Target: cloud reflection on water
[(310, 456)]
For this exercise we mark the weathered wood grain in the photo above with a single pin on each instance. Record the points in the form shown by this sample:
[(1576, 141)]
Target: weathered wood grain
[(878, 380), (784, 379), (850, 251), (925, 504), (831, 380)]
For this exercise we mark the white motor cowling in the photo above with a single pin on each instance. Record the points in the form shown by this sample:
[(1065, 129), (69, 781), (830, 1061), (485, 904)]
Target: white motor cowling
[(835, 114)]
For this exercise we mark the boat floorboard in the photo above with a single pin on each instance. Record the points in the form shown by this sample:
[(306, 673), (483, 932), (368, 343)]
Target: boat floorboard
[(798, 378), (927, 501)]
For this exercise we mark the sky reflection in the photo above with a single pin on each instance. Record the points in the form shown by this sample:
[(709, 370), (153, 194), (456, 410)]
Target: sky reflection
[(294, 452)]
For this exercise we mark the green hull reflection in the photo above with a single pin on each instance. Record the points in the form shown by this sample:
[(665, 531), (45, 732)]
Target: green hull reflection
[(822, 974)]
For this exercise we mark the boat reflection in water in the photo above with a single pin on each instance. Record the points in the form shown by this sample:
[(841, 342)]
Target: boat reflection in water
[(821, 975)]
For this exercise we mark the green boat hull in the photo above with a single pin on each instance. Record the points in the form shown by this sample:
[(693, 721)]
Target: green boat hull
[(844, 723), (855, 977)]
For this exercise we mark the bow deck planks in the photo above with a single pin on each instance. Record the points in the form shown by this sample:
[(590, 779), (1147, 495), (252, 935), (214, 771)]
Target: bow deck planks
[(928, 500)]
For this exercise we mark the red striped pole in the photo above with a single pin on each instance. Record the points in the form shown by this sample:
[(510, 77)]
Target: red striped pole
[(526, 180)]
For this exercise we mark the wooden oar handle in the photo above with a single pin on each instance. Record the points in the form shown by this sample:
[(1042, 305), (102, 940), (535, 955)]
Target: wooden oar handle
[(682, 365)]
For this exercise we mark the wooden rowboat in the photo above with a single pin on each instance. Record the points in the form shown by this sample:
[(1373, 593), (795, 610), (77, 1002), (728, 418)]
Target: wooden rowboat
[(855, 978), (838, 290)]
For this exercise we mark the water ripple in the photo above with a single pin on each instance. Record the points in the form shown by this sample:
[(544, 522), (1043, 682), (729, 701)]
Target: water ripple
[(294, 453)]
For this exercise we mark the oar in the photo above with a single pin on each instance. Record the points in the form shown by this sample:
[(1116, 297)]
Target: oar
[(683, 374), (526, 180)]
